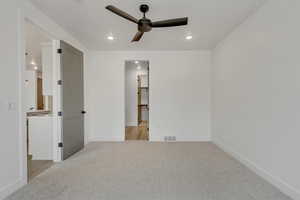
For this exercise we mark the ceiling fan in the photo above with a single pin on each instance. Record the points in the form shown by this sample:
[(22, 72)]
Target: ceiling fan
[(145, 24)]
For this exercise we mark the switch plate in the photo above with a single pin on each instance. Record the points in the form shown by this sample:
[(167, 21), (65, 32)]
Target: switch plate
[(11, 106)]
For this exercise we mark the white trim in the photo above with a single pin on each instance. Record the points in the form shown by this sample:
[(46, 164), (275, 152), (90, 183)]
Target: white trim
[(277, 182), (57, 129), (103, 139), (9, 189), (22, 115)]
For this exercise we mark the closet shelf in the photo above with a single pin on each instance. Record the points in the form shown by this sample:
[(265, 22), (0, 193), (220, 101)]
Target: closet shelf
[(143, 105)]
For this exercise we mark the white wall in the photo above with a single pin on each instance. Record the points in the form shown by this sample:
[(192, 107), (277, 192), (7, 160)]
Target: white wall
[(179, 94), (47, 68), (12, 57), (30, 98), (256, 94), (9, 87)]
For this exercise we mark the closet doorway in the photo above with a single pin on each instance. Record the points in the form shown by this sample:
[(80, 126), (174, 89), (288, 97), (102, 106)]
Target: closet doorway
[(137, 100)]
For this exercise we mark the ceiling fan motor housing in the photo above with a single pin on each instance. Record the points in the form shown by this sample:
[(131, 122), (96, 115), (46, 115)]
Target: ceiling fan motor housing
[(144, 25)]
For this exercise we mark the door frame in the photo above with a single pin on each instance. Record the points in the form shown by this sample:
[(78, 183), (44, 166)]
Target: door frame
[(138, 58), (21, 104)]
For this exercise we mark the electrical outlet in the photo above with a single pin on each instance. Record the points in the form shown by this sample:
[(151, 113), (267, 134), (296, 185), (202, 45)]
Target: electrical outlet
[(170, 138)]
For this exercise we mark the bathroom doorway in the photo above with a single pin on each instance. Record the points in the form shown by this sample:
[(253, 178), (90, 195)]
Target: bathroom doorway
[(38, 99), (137, 100), (52, 113)]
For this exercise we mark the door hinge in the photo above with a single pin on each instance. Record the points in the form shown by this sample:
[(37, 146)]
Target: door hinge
[(60, 145), (59, 82), (59, 114), (59, 51)]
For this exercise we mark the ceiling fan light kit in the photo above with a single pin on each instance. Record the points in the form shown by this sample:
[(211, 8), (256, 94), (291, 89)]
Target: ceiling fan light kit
[(145, 24)]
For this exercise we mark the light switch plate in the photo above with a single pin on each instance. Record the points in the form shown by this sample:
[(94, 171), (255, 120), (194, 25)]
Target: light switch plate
[(11, 106)]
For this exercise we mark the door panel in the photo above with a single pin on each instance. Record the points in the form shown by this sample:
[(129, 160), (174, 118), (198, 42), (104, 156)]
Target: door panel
[(72, 100)]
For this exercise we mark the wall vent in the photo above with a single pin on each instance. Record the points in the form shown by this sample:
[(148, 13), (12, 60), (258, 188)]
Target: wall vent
[(170, 138)]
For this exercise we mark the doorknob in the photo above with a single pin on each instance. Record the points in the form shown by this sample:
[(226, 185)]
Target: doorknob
[(83, 112)]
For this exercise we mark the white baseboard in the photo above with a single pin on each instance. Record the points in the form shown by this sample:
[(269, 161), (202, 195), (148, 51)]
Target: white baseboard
[(152, 139), (11, 188), (196, 139), (281, 185), (105, 139)]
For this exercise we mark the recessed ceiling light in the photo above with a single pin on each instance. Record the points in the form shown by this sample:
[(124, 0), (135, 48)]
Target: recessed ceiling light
[(189, 37), (35, 68), (139, 68), (110, 37), (136, 62), (33, 63)]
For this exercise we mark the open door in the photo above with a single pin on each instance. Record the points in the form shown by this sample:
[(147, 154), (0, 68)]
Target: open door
[(72, 100)]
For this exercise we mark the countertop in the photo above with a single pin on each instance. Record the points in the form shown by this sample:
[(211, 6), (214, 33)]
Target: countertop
[(38, 113)]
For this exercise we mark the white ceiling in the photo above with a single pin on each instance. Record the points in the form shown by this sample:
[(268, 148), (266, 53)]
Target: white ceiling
[(33, 42), (209, 22)]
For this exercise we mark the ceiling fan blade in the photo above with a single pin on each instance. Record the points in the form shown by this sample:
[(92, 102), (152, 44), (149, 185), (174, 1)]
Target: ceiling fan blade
[(122, 13), (170, 23), (137, 36)]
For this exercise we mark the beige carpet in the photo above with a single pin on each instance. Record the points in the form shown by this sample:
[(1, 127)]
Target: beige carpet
[(149, 171)]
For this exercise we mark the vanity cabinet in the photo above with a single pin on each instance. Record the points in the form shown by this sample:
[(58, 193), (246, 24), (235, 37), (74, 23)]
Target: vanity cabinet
[(40, 137)]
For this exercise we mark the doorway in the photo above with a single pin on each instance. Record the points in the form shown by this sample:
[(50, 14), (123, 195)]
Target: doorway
[(38, 98), (137, 100), (52, 100)]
